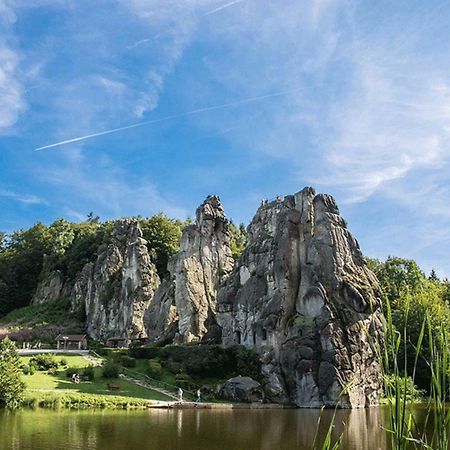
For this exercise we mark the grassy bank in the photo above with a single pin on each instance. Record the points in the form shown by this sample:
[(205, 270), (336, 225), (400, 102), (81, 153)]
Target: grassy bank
[(81, 401), (55, 389)]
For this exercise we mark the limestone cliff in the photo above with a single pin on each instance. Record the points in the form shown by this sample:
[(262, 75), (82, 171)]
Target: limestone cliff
[(186, 303), (116, 289), (302, 296)]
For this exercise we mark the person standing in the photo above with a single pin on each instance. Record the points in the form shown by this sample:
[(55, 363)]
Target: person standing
[(199, 396), (180, 395)]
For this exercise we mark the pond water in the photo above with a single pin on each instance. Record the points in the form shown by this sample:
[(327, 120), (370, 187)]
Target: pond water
[(186, 429)]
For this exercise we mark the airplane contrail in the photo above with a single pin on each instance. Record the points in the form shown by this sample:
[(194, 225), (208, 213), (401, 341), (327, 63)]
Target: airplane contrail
[(171, 117), (223, 7)]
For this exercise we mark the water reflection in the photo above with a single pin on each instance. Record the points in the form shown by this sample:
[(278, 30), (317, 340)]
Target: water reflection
[(187, 429)]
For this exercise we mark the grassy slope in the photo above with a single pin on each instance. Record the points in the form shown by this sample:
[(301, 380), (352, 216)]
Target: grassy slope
[(42, 382)]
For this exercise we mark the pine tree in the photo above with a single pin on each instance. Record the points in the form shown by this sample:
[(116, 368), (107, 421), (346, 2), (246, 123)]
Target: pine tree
[(11, 384)]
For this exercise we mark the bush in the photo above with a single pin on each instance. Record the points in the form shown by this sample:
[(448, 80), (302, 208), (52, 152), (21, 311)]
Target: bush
[(63, 362), (88, 373), (127, 361), (144, 352), (44, 361), (185, 381), (71, 371), (26, 369), (111, 370), (52, 371), (154, 369), (411, 394)]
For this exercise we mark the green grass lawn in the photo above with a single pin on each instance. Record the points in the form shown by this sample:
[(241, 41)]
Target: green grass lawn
[(42, 382)]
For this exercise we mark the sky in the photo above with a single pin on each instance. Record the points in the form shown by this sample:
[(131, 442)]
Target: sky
[(246, 99)]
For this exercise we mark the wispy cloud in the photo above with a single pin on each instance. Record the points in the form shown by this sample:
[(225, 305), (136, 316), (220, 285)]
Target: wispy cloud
[(12, 102), (244, 101), (224, 6), (28, 199)]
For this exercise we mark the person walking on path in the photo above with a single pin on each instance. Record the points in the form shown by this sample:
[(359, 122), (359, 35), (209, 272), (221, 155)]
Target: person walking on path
[(199, 396), (180, 395)]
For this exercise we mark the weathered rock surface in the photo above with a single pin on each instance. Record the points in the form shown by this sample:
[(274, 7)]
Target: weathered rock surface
[(117, 288), (188, 299), (302, 296), (50, 289), (242, 389)]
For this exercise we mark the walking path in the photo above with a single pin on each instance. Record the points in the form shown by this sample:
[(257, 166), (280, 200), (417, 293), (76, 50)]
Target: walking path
[(148, 386)]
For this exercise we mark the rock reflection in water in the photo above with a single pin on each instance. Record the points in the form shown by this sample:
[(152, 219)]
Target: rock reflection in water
[(186, 429)]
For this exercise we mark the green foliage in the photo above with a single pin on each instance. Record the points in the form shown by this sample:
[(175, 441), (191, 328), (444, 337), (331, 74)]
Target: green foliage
[(127, 361), (239, 239), (154, 369), (88, 373), (203, 361), (111, 370), (163, 238), (405, 385), (44, 361), (72, 371), (63, 362), (411, 297), (11, 384), (28, 256)]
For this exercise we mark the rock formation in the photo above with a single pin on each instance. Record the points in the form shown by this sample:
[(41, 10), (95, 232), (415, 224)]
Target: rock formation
[(302, 296), (242, 389), (186, 303), (117, 288), (49, 289)]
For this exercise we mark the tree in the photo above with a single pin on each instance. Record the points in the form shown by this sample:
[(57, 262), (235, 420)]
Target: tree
[(11, 384), (163, 239), (412, 297), (238, 239)]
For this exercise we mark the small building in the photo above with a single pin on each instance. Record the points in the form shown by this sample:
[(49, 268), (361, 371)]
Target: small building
[(71, 342)]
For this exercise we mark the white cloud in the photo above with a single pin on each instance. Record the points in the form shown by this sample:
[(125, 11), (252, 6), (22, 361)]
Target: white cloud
[(28, 199), (395, 120), (12, 102)]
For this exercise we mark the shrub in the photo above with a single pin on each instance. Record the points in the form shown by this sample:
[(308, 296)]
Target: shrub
[(128, 361), (144, 352), (52, 371), (111, 370), (72, 370), (44, 361), (410, 394), (26, 369), (88, 373), (154, 369), (63, 362), (185, 381)]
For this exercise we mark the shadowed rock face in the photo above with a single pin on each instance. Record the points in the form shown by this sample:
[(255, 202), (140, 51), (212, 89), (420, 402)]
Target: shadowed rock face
[(184, 306), (50, 289), (116, 289), (303, 297)]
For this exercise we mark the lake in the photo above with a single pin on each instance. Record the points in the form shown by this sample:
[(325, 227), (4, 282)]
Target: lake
[(160, 429)]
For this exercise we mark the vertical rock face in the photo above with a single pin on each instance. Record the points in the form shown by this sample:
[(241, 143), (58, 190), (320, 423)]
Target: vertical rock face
[(303, 297), (116, 289), (188, 299), (50, 289)]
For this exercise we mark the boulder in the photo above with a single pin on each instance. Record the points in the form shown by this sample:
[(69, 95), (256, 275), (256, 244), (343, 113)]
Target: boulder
[(242, 389)]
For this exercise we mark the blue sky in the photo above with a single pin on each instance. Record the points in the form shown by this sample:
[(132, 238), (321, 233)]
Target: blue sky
[(352, 98)]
